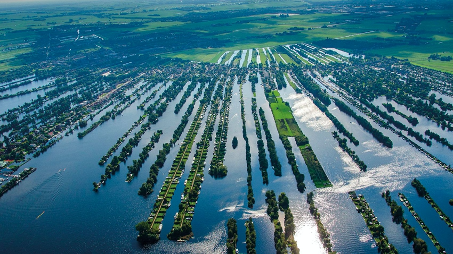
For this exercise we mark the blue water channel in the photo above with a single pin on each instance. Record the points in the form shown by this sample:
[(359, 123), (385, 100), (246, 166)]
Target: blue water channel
[(56, 210)]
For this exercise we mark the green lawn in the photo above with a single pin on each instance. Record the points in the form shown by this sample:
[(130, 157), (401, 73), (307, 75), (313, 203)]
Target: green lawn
[(263, 58), (281, 110)]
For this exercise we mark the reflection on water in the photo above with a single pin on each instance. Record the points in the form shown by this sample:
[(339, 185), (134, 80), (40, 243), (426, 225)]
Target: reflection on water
[(308, 113), (214, 242), (307, 237), (403, 167), (71, 206), (391, 169)]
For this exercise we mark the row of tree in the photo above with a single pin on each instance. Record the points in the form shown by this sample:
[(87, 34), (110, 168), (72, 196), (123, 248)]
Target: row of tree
[(435, 136), (390, 108), (147, 187), (379, 136), (144, 154), (186, 95), (264, 164), (218, 169), (376, 229), (292, 161), (185, 118), (16, 180), (272, 211), (270, 145), (250, 236), (421, 191), (411, 132), (290, 227), (336, 122), (232, 239), (161, 205), (313, 88), (248, 154), (342, 142), (419, 245), (122, 138), (182, 226)]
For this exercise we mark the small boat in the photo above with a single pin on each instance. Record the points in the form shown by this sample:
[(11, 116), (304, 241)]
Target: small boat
[(40, 215)]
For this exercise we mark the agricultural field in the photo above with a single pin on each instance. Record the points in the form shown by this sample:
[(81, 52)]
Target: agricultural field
[(208, 29)]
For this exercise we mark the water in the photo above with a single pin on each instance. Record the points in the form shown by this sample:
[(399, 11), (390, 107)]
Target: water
[(77, 220), (340, 52), (258, 58), (229, 61), (33, 84), (437, 149), (221, 57), (249, 58), (387, 169), (15, 101), (243, 54)]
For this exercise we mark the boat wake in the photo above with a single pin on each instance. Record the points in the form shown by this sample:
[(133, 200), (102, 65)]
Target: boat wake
[(39, 199)]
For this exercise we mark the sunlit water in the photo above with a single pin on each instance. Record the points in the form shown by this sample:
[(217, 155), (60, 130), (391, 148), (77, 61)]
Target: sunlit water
[(76, 219)]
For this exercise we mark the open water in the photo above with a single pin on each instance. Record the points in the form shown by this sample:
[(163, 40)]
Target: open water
[(55, 209)]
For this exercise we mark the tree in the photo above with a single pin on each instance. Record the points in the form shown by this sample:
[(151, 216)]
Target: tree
[(82, 124), (420, 246), (283, 202), (142, 227), (219, 170), (145, 189), (451, 202), (301, 187), (232, 235), (410, 233), (378, 230), (235, 142), (421, 191), (145, 234)]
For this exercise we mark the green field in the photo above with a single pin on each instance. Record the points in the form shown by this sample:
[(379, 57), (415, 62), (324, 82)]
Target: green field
[(229, 26), (419, 56), (287, 126), (281, 110), (287, 59)]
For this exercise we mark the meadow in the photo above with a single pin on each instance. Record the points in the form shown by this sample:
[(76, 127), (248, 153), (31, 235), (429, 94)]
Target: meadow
[(407, 33)]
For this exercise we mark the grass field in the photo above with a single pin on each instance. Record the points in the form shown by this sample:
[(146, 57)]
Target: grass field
[(278, 58), (287, 59), (264, 29), (420, 56), (227, 57), (281, 110), (287, 126)]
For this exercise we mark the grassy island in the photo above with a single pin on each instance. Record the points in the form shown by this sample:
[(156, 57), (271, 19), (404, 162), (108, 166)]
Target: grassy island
[(287, 126)]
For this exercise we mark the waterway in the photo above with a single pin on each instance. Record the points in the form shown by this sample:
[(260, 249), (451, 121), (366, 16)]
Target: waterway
[(55, 209), (19, 100)]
